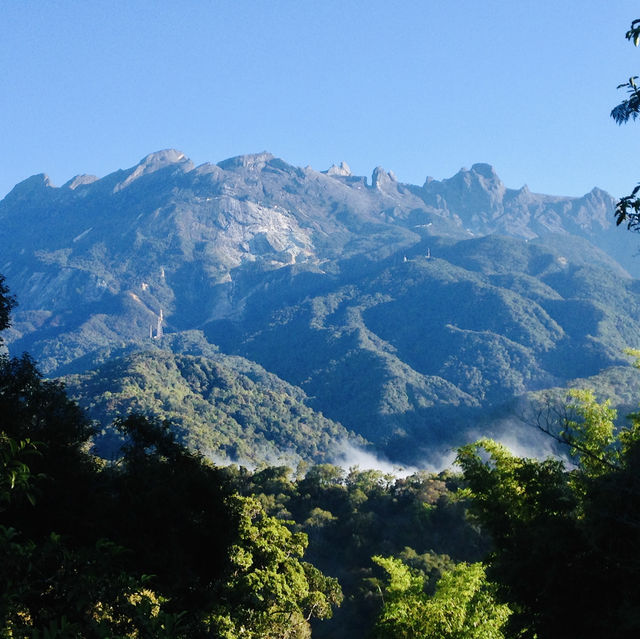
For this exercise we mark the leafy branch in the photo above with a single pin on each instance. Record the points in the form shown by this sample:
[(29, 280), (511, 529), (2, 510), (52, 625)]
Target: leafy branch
[(628, 207)]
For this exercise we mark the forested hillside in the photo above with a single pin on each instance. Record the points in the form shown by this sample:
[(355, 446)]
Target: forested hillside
[(159, 542), (441, 340), (223, 407)]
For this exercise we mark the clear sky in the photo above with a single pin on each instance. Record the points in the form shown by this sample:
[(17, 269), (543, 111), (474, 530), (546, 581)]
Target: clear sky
[(420, 87)]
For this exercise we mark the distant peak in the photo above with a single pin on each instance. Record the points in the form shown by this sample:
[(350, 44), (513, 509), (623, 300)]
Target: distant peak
[(160, 159), (601, 196), (380, 178), (482, 175), (32, 185), (250, 161), (39, 181), (523, 195), (154, 162), (79, 180), (485, 170), (342, 170)]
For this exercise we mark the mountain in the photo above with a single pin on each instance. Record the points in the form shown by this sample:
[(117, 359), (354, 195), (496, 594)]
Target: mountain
[(411, 351), (404, 313)]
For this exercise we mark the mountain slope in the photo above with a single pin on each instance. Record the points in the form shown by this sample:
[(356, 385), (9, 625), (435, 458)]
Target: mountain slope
[(416, 350), (222, 406), (404, 312)]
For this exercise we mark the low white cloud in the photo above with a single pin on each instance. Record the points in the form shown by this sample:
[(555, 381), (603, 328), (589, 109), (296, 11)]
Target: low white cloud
[(347, 456), (522, 439)]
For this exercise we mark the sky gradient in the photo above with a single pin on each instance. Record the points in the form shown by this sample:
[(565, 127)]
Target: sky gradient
[(418, 87)]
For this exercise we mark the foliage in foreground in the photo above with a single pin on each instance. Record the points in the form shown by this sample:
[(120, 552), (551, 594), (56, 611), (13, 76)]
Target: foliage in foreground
[(565, 540), (152, 546), (350, 516), (463, 605), (628, 207)]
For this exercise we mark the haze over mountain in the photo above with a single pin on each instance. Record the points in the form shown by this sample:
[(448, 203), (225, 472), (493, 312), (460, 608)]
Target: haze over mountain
[(406, 313)]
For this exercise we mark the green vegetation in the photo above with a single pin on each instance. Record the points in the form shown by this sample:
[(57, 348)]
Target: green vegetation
[(89, 549), (137, 545), (628, 208), (463, 605), (216, 406), (564, 540), (158, 542), (350, 516)]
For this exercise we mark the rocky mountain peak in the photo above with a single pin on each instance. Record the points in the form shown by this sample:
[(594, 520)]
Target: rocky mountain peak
[(381, 178), (79, 180), (485, 170), (30, 188), (469, 191), (598, 195), (252, 161), (343, 170), (155, 162), (263, 193), (160, 159), (523, 195), (482, 176)]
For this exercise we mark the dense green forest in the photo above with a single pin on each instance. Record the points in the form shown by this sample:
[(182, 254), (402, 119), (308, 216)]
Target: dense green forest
[(222, 406), (156, 541)]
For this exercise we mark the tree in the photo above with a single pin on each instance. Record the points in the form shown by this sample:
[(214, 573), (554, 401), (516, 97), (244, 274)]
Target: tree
[(587, 427), (268, 592), (565, 539), (16, 479), (463, 605), (36, 410), (7, 302), (628, 207), (528, 509)]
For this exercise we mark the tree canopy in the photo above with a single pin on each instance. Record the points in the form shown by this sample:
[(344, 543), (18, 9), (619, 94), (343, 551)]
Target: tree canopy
[(152, 544), (564, 539), (7, 302), (463, 605), (628, 207)]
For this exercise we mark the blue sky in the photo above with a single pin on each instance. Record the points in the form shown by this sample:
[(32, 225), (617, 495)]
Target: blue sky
[(419, 87)]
